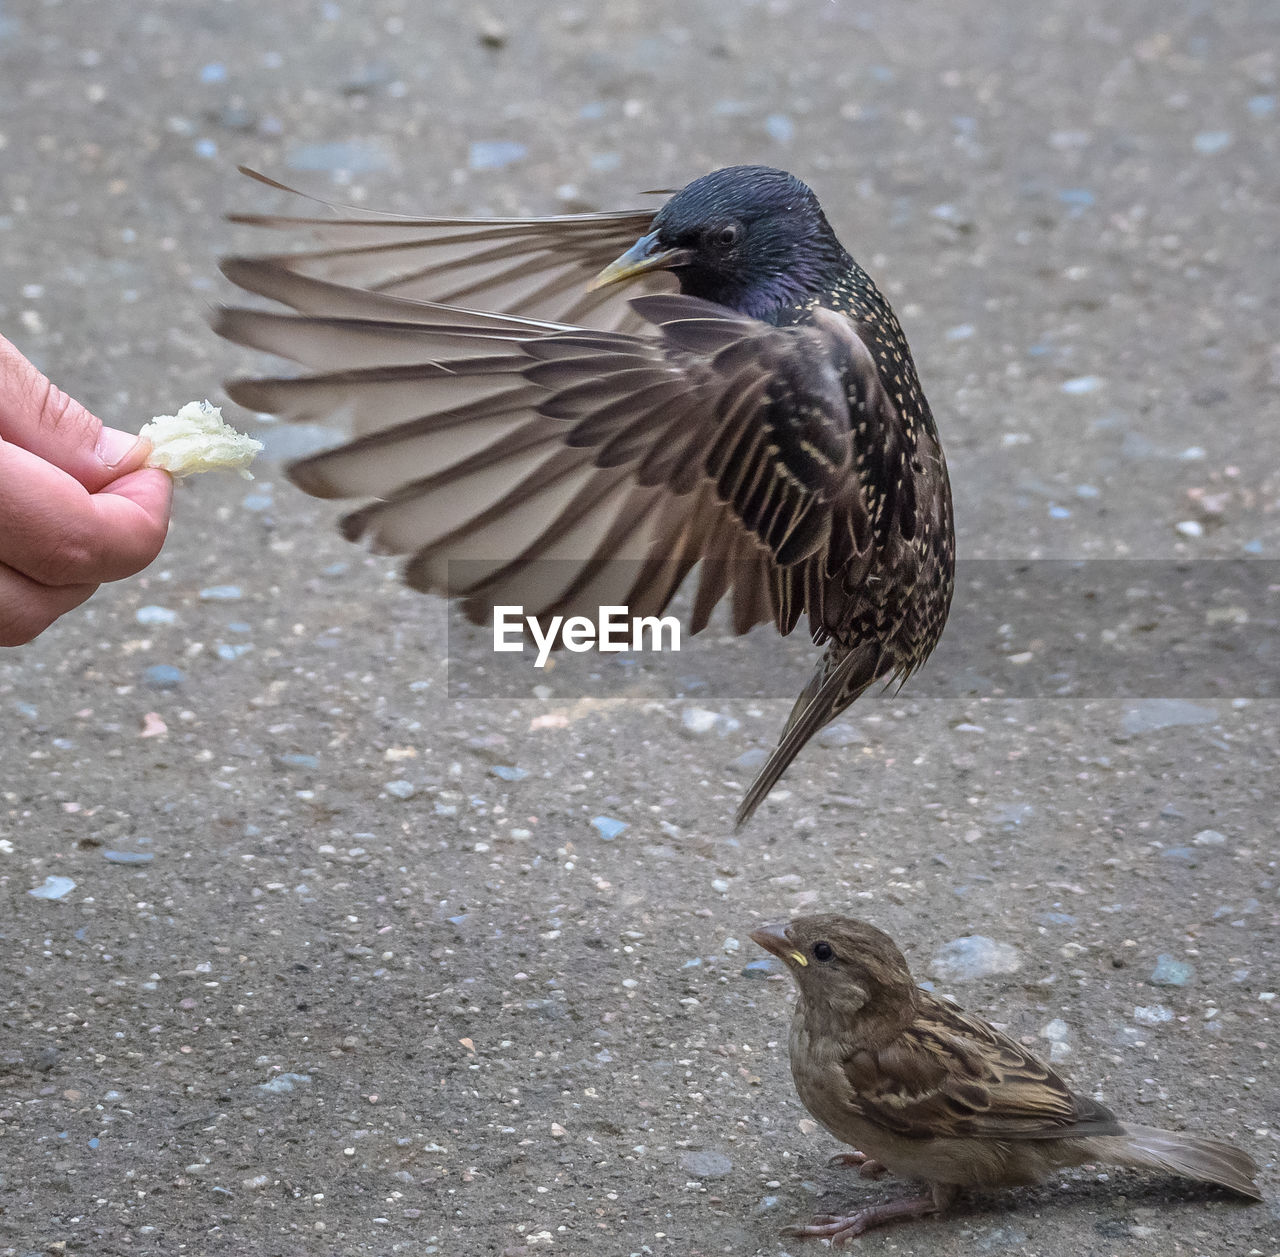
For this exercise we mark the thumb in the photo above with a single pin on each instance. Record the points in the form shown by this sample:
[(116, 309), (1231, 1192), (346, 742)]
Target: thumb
[(43, 420)]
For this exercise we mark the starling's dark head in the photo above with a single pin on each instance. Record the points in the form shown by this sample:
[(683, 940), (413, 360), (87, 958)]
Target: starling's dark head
[(748, 237), (844, 968)]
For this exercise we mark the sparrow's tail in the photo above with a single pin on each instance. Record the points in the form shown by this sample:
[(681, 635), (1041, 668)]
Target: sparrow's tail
[(1191, 1156), (829, 692)]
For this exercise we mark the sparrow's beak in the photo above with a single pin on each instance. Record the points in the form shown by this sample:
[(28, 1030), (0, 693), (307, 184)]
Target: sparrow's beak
[(773, 938), (643, 256)]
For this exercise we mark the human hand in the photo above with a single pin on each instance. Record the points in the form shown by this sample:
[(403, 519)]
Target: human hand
[(77, 507)]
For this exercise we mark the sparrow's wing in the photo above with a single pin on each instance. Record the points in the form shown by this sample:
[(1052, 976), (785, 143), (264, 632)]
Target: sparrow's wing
[(537, 267), (524, 462), (952, 1075)]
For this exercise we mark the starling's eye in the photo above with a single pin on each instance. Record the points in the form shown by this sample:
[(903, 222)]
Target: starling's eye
[(823, 951), (728, 235)]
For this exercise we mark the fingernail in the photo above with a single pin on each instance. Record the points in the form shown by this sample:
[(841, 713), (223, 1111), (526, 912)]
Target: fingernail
[(115, 447)]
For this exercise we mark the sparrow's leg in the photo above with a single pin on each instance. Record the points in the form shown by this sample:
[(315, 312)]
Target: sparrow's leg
[(866, 1166), (838, 1228)]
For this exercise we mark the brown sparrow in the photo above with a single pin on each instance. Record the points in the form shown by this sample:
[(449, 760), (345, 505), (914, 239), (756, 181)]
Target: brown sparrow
[(926, 1091)]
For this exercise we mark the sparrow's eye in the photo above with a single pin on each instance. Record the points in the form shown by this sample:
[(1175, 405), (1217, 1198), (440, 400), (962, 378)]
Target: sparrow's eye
[(728, 235), (823, 951)]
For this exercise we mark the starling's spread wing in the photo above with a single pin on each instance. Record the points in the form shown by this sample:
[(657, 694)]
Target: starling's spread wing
[(525, 462), (951, 1075), (537, 267)]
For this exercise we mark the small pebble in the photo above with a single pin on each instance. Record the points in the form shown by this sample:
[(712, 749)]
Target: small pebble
[(297, 761), (697, 721), (1169, 971), (128, 857), (780, 128), (53, 888), (706, 1164), (1082, 384), (1165, 713), (974, 956), (354, 157), (493, 33), (509, 773), (163, 676), (1003, 1237), (221, 593), (1209, 838), (607, 827), (1190, 528), (750, 761), (840, 734), (155, 616), (1152, 1014), (283, 1083), (763, 968), (1055, 1031), (1210, 142), (401, 789), (495, 154)]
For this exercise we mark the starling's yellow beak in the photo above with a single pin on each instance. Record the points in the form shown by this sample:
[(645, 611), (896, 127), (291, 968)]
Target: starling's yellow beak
[(773, 938), (643, 256)]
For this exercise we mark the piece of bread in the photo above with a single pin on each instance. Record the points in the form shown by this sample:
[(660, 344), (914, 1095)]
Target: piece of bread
[(196, 440)]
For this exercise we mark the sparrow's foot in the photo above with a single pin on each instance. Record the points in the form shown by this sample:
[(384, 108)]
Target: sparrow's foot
[(840, 1227), (865, 1165)]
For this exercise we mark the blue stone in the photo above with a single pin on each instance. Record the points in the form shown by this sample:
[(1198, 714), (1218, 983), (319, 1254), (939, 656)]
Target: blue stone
[(780, 128), (607, 827), (1081, 384), (763, 968), (509, 773), (1210, 142), (297, 761), (353, 156), (1170, 971), (128, 857), (495, 154), (163, 676)]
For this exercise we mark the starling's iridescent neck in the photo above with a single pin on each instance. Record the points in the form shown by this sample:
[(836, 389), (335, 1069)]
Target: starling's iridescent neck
[(780, 297)]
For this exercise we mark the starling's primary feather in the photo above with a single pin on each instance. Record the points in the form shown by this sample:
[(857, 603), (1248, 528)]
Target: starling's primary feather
[(530, 441), (537, 267)]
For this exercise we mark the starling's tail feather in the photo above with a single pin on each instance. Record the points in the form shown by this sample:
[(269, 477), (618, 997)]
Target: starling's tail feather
[(1190, 1156), (828, 693)]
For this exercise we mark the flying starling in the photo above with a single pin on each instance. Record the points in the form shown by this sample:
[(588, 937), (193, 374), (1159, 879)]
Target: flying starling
[(571, 412)]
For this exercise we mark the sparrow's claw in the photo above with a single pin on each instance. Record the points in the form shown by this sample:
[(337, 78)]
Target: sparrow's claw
[(866, 1166), (848, 1158), (840, 1227)]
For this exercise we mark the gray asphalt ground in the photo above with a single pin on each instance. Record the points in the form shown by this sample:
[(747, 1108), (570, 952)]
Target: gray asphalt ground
[(369, 996)]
